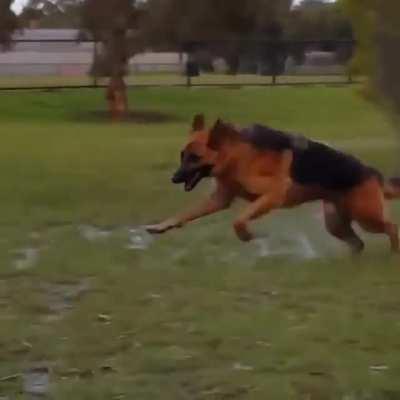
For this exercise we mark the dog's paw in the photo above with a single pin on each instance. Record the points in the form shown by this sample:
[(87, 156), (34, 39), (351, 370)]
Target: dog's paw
[(156, 229), (161, 228), (242, 231)]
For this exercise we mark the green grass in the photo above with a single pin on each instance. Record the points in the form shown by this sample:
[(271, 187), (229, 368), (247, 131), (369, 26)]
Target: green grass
[(198, 315)]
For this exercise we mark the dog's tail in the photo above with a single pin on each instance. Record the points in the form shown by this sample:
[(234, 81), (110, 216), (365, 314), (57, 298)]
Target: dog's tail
[(391, 188)]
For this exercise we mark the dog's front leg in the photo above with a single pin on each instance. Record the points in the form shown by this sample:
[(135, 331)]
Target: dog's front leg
[(218, 201), (256, 209)]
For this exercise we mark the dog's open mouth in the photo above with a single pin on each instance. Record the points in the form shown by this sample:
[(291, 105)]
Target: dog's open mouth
[(192, 178), (192, 181)]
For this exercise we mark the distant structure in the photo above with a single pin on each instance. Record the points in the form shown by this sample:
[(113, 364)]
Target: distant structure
[(69, 57)]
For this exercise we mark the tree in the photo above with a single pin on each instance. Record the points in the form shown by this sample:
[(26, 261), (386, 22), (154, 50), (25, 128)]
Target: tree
[(171, 23), (377, 30), (51, 14), (175, 21), (113, 24), (8, 23), (318, 19)]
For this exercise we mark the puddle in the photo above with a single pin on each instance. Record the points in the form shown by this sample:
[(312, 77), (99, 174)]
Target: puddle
[(26, 258), (242, 367), (36, 381), (93, 233), (61, 297)]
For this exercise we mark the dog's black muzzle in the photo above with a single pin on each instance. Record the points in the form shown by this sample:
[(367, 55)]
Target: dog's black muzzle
[(191, 177)]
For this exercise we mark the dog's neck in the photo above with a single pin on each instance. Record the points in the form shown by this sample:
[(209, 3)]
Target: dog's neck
[(229, 157)]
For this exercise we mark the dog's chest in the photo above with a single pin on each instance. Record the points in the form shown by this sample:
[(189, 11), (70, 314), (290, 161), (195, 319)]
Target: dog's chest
[(241, 189)]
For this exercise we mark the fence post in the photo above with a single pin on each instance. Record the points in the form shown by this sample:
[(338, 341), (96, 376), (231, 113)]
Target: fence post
[(188, 80), (349, 77), (274, 55), (192, 70), (95, 55), (351, 49)]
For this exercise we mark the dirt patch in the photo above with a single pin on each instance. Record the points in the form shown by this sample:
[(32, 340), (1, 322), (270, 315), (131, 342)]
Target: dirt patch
[(137, 117)]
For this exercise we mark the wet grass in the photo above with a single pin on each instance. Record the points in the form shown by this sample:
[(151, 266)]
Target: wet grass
[(197, 315)]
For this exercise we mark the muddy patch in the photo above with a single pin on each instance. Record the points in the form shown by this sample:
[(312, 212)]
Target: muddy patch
[(138, 117)]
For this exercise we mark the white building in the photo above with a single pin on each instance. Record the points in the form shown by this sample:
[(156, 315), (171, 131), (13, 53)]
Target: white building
[(37, 57)]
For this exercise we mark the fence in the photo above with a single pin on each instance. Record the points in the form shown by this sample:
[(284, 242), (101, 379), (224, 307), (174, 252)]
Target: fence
[(66, 63)]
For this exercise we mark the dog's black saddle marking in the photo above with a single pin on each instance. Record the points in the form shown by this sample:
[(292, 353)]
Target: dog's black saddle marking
[(314, 163)]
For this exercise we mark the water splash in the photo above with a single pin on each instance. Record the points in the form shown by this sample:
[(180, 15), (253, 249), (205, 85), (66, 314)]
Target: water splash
[(296, 245), (139, 239), (93, 233)]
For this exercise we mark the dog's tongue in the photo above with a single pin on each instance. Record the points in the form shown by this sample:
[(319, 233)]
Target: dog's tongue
[(188, 186)]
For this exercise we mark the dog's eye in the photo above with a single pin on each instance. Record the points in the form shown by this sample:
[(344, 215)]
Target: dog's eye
[(193, 158)]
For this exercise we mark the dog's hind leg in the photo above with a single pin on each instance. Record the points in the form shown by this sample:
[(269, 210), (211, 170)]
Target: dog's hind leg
[(339, 225), (374, 225), (366, 205)]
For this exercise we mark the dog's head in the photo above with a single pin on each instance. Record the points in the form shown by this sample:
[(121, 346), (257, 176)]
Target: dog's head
[(200, 156)]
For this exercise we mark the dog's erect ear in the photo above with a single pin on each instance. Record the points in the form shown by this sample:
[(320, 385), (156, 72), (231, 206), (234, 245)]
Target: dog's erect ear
[(219, 133), (199, 123)]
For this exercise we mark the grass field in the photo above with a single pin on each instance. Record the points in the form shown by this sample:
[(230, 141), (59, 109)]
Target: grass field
[(194, 314)]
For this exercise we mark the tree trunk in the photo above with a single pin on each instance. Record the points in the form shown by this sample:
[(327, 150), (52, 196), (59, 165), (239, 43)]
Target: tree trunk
[(117, 98)]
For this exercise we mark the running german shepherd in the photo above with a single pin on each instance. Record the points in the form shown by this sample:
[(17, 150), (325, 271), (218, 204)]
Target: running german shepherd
[(273, 169)]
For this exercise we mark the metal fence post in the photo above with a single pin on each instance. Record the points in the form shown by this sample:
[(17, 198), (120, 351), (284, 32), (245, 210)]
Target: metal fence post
[(95, 55), (349, 77)]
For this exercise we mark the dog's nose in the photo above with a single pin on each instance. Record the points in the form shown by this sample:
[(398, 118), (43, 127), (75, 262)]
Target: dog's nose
[(178, 177)]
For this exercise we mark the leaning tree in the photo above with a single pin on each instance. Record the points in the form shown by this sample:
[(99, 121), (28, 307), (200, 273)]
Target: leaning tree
[(113, 24)]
